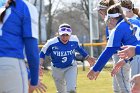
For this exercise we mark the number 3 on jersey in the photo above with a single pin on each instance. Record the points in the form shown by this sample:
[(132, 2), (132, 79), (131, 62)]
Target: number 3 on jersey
[(64, 59)]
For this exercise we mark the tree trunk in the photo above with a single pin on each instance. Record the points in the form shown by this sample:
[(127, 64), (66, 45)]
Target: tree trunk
[(49, 23)]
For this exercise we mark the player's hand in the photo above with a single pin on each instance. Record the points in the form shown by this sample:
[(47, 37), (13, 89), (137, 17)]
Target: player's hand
[(91, 61), (127, 52), (40, 88), (41, 68), (117, 67), (41, 71), (92, 74)]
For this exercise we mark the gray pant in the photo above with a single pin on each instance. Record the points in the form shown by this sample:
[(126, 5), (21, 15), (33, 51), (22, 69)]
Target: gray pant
[(135, 66), (121, 82), (65, 78), (13, 75)]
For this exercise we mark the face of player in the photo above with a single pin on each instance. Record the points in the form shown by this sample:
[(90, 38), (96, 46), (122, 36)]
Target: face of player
[(64, 38), (111, 23)]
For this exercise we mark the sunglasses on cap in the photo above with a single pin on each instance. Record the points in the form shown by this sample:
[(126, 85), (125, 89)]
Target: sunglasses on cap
[(65, 29)]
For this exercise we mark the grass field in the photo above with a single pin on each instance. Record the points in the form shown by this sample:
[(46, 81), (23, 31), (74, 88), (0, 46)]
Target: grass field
[(102, 85)]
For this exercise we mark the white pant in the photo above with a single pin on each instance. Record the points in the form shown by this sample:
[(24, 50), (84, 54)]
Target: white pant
[(121, 82), (65, 78), (13, 76)]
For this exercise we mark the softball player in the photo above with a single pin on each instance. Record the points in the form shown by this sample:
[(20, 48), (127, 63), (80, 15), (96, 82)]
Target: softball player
[(62, 51), (129, 11), (121, 82), (18, 29), (128, 52), (123, 33)]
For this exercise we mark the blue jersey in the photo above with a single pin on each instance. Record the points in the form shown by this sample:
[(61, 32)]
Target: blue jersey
[(121, 34), (18, 30), (137, 50), (62, 55)]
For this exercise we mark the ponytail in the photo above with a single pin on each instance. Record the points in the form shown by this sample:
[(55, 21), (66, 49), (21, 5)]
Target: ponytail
[(8, 4), (111, 2), (136, 11)]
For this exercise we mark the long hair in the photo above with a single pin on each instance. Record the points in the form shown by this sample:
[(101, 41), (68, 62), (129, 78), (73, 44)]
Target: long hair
[(136, 11), (117, 9), (107, 3), (9, 3), (129, 5)]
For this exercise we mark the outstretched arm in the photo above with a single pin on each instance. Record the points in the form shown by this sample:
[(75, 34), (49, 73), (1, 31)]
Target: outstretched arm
[(118, 66), (102, 60)]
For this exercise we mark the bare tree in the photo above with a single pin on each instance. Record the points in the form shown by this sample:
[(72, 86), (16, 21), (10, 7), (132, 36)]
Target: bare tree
[(49, 23), (85, 7), (50, 16)]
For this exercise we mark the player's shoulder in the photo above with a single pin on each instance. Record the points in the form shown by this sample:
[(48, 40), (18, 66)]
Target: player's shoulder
[(53, 40), (30, 7), (74, 38), (123, 24)]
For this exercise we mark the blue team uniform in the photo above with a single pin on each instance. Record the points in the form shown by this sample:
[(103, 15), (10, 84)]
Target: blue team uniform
[(137, 50), (19, 29), (120, 80), (121, 34), (62, 55)]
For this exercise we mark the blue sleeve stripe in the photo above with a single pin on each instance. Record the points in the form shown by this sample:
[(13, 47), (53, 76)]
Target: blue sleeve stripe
[(137, 50), (104, 57), (32, 54)]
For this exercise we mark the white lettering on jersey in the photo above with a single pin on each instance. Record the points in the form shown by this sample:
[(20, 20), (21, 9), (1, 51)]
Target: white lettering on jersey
[(64, 53), (64, 59)]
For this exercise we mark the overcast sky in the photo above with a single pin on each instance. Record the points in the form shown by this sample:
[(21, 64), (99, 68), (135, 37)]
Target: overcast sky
[(60, 5), (66, 1)]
